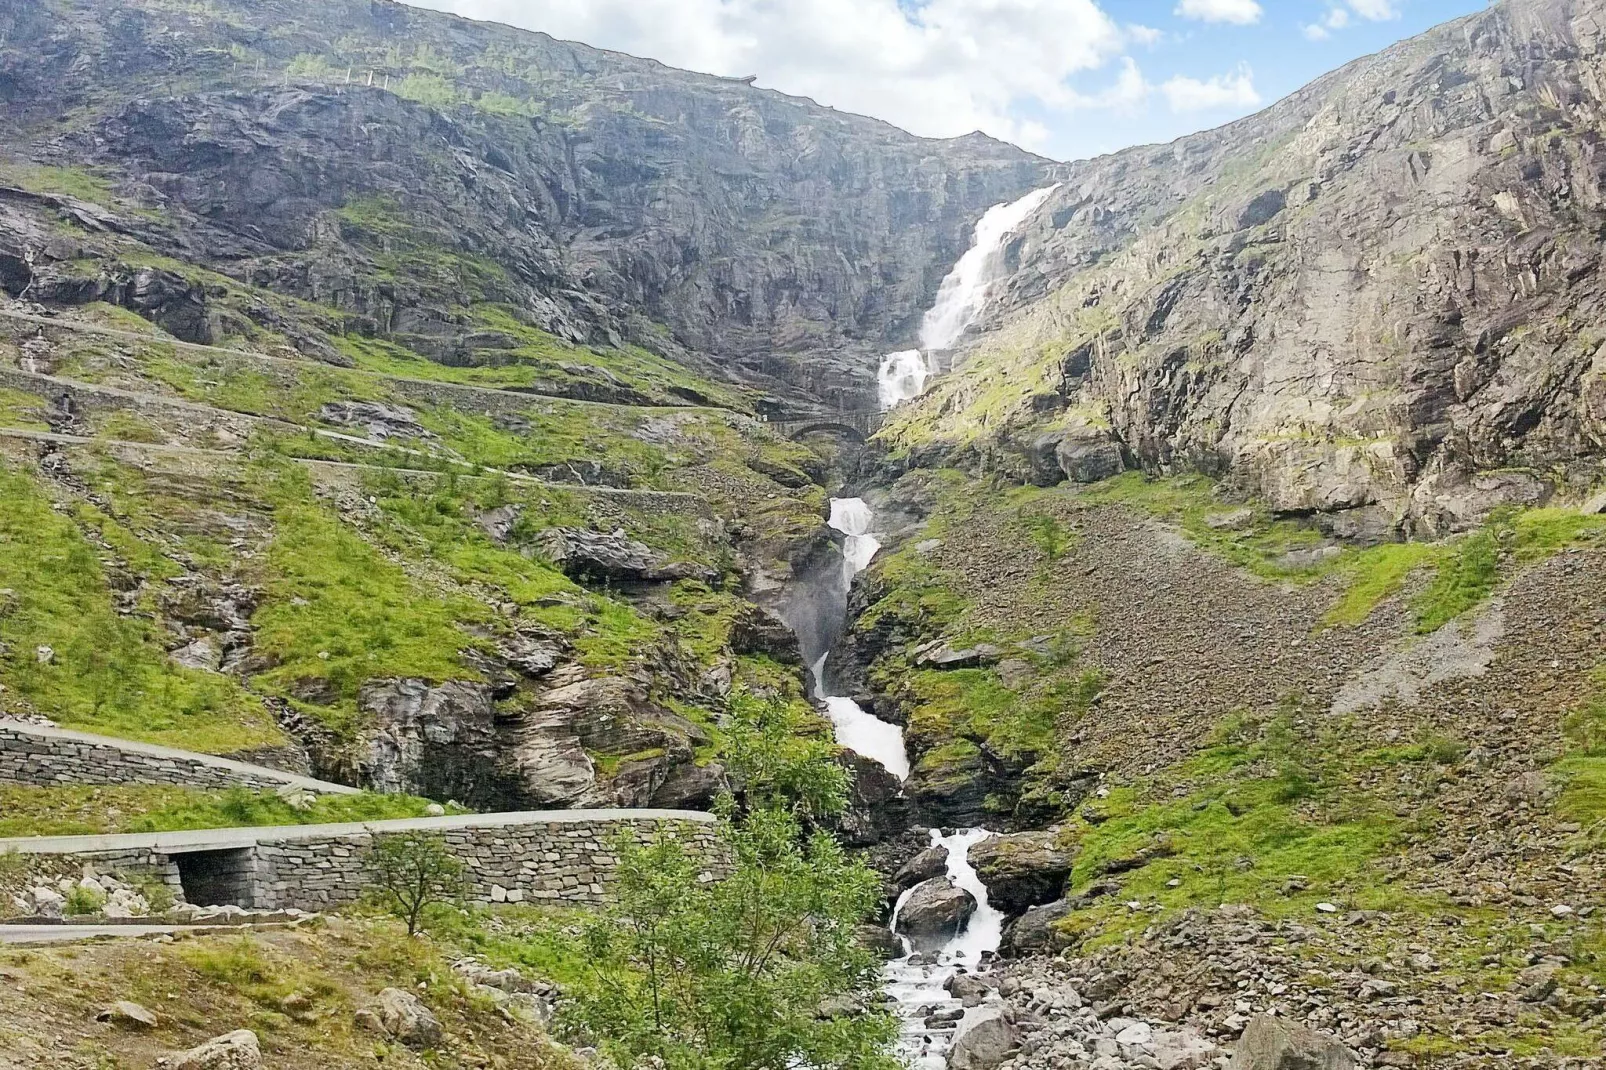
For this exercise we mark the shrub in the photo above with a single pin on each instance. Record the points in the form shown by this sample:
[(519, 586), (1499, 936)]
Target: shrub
[(413, 870)]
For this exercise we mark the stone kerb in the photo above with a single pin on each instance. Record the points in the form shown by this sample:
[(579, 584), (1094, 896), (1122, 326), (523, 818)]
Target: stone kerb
[(38, 756)]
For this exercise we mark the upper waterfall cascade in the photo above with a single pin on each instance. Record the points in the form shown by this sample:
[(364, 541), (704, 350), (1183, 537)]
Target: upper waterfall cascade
[(857, 730), (960, 299)]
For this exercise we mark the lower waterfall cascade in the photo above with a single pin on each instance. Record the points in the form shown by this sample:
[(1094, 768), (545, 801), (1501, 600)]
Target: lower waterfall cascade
[(916, 982)]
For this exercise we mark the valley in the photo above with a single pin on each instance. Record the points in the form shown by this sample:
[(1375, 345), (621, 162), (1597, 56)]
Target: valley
[(1147, 611)]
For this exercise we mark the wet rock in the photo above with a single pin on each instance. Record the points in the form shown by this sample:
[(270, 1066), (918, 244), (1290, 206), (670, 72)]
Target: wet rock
[(1275, 1044), (877, 809), (1034, 930), (592, 557), (757, 630), (934, 912), (435, 740), (1021, 870), (928, 864), (690, 787), (882, 940), (238, 1050)]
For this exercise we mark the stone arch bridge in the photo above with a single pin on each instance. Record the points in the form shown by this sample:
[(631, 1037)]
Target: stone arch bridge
[(856, 425)]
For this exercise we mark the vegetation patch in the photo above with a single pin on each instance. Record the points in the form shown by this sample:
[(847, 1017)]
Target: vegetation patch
[(99, 810), (69, 655)]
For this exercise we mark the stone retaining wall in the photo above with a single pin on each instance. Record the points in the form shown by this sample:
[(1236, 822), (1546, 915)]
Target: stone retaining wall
[(34, 756), (545, 857), (544, 863)]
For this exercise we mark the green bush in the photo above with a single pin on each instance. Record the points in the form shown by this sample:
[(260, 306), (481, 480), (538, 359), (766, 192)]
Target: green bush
[(732, 972)]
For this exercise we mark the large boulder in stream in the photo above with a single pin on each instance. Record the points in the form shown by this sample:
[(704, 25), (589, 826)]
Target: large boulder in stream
[(934, 913), (1022, 869), (925, 866)]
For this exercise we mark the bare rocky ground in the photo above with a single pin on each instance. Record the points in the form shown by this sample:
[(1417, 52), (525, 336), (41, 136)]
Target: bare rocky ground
[(1469, 936)]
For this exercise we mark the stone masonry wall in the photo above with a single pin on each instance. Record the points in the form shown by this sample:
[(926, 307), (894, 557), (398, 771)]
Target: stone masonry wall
[(565, 861), (568, 863), (30, 756)]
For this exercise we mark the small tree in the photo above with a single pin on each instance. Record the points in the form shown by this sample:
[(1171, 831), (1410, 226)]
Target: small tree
[(412, 870), (1051, 538)]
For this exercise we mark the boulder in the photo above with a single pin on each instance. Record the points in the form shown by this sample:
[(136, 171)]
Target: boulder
[(881, 940), (1034, 932), (940, 655), (971, 989), (984, 1039), (930, 863), (1022, 869), (238, 1050), (1274, 1044), (404, 1017), (128, 1013), (1181, 1049), (47, 902), (592, 557), (934, 912)]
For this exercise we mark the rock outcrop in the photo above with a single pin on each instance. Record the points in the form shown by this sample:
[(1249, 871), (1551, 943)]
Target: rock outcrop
[(934, 912), (1022, 870), (1367, 323)]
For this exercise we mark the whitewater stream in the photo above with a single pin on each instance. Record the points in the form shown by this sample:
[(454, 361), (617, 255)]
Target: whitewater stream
[(960, 299), (914, 981)]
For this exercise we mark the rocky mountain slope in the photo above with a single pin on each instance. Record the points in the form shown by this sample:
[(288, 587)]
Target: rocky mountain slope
[(384, 394), (401, 168), (1373, 302)]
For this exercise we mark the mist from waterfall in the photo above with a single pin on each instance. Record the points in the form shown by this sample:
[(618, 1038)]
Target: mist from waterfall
[(960, 299)]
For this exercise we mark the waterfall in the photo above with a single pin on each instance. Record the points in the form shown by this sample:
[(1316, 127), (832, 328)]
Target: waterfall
[(856, 729), (903, 376), (960, 299), (917, 983)]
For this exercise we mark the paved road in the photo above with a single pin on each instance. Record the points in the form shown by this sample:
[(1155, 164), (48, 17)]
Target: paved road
[(220, 839), (67, 934)]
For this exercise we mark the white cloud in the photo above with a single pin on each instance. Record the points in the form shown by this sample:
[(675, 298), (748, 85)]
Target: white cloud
[(1235, 90), (1240, 12), (1339, 16), (1147, 36), (1376, 10), (944, 69)]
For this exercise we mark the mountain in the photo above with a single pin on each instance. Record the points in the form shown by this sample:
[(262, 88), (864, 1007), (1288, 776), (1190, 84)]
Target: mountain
[(1370, 303), (454, 412), (604, 197)]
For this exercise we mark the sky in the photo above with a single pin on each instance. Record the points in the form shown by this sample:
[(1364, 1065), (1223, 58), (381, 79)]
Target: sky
[(1065, 78)]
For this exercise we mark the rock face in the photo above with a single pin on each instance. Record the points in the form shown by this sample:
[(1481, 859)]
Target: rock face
[(1369, 324), (438, 740), (1273, 1044), (757, 226), (934, 912), (597, 558), (1022, 869)]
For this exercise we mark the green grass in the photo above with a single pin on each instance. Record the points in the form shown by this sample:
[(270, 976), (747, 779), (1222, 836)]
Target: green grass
[(22, 411), (1241, 819), (339, 613), (1190, 501), (1473, 567), (86, 811), (109, 673), (1375, 574), (77, 182)]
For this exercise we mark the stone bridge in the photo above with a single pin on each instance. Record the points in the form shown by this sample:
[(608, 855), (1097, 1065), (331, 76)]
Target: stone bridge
[(856, 426)]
